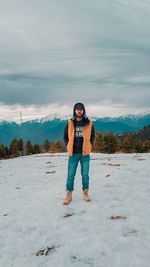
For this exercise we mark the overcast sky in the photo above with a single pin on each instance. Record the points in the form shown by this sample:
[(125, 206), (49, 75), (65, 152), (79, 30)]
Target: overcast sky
[(54, 53)]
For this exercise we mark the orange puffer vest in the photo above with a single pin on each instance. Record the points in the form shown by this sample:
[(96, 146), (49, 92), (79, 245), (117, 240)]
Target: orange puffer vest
[(86, 148)]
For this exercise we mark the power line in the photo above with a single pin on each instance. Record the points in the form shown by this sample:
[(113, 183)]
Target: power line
[(90, 10), (146, 1), (130, 7), (101, 13)]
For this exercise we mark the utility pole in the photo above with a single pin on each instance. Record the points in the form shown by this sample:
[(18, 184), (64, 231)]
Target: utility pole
[(21, 122)]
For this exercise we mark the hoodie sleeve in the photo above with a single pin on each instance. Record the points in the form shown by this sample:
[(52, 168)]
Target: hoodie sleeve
[(66, 134), (92, 135)]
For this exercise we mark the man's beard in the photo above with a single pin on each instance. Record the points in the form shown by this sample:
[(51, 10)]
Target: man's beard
[(79, 115)]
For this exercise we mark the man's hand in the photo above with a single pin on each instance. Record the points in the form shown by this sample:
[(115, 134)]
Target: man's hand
[(92, 146)]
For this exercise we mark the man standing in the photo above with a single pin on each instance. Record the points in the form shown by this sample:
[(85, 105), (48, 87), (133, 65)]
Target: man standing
[(79, 135)]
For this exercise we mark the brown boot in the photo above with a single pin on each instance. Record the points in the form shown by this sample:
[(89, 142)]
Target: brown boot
[(85, 195), (68, 198)]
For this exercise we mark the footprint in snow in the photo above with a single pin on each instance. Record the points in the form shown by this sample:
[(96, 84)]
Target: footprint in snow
[(68, 215), (50, 172), (116, 217), (87, 260), (45, 251), (129, 231)]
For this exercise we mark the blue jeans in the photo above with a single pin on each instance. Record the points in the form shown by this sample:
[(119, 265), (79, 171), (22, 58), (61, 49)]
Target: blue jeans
[(72, 167)]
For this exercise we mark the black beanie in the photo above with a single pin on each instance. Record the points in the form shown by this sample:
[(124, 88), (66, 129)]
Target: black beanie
[(82, 106)]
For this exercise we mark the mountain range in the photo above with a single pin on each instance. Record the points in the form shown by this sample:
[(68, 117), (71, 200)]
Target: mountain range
[(51, 127)]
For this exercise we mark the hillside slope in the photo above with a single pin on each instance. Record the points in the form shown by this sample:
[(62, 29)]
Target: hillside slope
[(33, 217)]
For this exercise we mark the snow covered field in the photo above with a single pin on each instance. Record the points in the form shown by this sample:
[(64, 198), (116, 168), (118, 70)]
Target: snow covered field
[(32, 216)]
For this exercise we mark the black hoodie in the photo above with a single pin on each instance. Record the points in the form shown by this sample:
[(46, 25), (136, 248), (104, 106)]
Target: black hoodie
[(78, 138)]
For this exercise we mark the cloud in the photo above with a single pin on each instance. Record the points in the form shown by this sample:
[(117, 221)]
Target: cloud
[(95, 52), (102, 109)]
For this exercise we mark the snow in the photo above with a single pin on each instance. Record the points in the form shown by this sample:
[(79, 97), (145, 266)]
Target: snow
[(7, 122), (32, 213), (61, 117), (53, 117)]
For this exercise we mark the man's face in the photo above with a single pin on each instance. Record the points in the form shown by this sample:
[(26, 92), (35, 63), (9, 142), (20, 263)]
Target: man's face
[(79, 112)]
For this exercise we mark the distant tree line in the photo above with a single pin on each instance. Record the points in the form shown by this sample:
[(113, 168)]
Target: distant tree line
[(110, 143), (19, 148), (107, 143)]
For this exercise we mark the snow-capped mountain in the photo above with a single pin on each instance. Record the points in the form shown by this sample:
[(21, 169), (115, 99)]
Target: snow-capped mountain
[(53, 117), (51, 127), (125, 118)]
